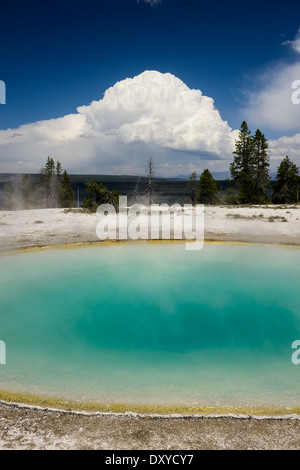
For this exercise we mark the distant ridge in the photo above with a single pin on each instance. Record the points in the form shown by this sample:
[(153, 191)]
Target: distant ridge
[(17, 177), (218, 175)]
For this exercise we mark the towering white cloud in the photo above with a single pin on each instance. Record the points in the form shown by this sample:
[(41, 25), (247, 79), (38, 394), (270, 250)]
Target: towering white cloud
[(159, 109), (152, 112)]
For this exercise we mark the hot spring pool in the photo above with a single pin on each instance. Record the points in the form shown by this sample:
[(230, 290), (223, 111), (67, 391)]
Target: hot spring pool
[(153, 324)]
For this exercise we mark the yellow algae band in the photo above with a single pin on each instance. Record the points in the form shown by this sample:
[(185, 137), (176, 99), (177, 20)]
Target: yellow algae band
[(121, 408), (69, 246)]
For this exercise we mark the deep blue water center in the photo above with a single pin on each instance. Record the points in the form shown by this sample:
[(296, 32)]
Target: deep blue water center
[(153, 323)]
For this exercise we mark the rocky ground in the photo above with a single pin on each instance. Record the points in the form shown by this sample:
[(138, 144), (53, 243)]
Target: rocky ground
[(23, 428)]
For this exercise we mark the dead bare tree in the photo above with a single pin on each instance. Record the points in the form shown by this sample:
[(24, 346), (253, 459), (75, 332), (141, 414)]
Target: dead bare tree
[(150, 176)]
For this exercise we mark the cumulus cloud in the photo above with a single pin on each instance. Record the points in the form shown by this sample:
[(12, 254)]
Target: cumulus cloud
[(159, 109), (151, 114), (271, 105), (283, 146)]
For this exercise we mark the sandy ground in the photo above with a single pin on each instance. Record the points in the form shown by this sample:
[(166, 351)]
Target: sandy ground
[(29, 428)]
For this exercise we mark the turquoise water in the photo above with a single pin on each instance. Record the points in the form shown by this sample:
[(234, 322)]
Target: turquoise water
[(153, 324)]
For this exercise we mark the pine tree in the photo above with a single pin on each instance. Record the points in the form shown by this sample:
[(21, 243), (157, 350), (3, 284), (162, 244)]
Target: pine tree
[(261, 166), (286, 188), (49, 181), (207, 188), (242, 168), (58, 170), (55, 187), (66, 194), (192, 186)]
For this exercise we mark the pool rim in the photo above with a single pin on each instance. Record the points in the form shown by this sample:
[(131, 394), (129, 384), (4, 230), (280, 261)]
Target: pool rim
[(110, 243)]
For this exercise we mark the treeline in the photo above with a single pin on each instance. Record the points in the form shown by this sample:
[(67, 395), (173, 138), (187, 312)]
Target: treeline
[(250, 178), (50, 189)]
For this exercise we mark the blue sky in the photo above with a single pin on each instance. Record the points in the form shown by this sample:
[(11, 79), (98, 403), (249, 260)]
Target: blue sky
[(60, 55)]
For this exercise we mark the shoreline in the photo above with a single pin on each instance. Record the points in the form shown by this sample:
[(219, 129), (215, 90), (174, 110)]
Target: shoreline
[(163, 412), (91, 244), (34, 402)]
